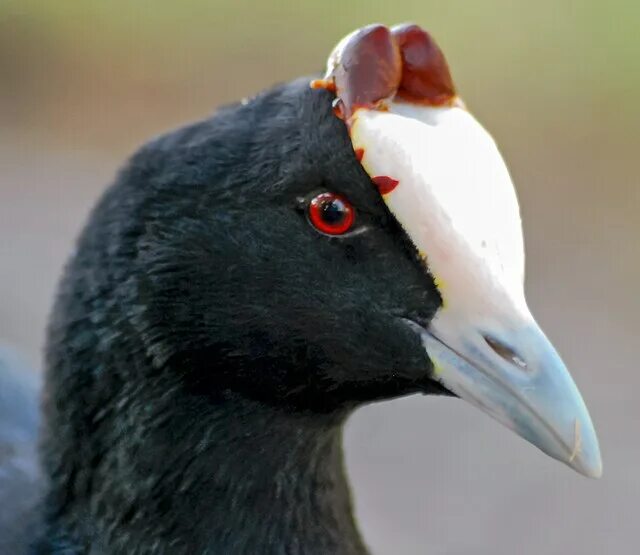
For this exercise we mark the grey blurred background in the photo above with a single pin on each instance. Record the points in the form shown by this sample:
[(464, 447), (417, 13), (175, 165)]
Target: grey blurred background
[(556, 82)]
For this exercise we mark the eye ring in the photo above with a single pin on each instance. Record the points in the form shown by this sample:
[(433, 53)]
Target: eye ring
[(331, 214)]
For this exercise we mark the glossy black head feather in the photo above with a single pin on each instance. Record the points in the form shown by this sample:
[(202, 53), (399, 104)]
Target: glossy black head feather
[(199, 289)]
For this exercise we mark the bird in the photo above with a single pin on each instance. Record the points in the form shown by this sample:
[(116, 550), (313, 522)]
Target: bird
[(250, 280)]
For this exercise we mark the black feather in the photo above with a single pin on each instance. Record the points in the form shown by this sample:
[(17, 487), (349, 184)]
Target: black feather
[(207, 344)]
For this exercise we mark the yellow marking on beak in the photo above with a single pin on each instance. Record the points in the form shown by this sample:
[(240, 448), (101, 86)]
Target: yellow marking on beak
[(440, 285), (437, 369), (577, 441)]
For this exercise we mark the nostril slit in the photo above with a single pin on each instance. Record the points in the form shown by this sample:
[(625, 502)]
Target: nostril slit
[(505, 352)]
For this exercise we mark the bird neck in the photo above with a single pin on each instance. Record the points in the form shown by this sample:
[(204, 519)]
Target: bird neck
[(229, 477), (274, 482)]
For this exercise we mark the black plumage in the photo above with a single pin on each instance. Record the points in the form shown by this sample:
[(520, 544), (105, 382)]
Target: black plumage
[(207, 344)]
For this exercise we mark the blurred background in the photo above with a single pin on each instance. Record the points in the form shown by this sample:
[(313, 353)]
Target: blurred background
[(82, 84)]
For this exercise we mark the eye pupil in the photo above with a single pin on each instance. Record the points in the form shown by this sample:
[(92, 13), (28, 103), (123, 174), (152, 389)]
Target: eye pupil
[(331, 214), (333, 211)]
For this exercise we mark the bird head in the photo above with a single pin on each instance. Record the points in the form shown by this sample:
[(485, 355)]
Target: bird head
[(317, 248)]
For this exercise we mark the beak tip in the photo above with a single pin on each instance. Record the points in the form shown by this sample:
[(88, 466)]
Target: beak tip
[(590, 467), (594, 472), (586, 458)]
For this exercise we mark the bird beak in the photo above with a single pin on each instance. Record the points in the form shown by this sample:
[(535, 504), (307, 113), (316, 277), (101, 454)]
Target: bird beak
[(442, 177), (515, 375), (447, 185)]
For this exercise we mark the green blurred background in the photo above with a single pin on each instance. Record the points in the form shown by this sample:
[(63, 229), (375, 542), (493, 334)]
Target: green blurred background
[(82, 83)]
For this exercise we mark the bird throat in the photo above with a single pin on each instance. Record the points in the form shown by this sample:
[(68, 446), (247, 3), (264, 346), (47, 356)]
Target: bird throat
[(232, 476), (275, 482)]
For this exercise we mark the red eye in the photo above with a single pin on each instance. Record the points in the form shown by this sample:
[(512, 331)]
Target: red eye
[(331, 214)]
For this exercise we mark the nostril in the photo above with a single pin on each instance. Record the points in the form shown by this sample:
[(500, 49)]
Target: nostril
[(505, 352)]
